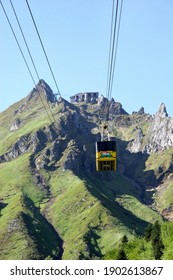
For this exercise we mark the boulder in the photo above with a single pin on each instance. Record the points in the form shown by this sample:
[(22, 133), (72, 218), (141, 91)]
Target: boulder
[(15, 125)]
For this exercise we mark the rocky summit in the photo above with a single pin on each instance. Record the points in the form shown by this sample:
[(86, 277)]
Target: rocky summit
[(159, 136), (53, 203)]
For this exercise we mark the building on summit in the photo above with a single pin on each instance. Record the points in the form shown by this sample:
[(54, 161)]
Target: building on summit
[(87, 97)]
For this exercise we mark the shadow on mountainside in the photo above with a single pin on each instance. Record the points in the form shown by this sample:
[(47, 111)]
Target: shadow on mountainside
[(46, 238), (107, 195), (2, 206), (133, 166), (91, 239)]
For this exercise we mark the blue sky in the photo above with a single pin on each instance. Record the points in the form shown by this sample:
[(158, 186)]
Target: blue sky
[(75, 34)]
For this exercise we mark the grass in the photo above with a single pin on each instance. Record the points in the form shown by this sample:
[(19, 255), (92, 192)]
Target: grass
[(164, 198), (163, 159), (85, 212), (81, 217), (30, 127), (16, 185), (74, 211), (11, 195), (141, 210), (16, 177), (128, 133)]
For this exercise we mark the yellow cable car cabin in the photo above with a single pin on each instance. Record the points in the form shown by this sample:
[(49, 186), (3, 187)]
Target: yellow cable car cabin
[(106, 156)]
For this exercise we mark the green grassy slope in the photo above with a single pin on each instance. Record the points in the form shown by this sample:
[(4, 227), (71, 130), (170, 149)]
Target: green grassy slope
[(24, 232), (82, 216), (88, 216)]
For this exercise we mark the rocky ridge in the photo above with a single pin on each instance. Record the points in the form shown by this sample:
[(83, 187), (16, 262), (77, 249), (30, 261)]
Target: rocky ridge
[(42, 88), (159, 135), (115, 108)]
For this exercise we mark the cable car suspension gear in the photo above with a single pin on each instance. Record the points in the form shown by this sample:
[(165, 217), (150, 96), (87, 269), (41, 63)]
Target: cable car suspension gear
[(106, 149)]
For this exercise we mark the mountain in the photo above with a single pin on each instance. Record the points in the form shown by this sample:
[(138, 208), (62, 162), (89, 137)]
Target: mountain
[(53, 203)]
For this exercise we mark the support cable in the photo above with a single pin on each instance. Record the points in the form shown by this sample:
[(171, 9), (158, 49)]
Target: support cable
[(31, 14), (14, 11), (113, 46), (23, 55), (17, 42), (116, 47), (113, 35), (26, 44), (110, 44)]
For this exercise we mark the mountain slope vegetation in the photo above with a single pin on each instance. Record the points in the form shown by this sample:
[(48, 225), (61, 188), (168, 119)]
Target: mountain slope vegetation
[(53, 203)]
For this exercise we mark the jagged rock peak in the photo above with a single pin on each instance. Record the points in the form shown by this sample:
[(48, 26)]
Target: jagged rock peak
[(162, 112), (141, 111), (102, 100), (42, 88), (115, 108)]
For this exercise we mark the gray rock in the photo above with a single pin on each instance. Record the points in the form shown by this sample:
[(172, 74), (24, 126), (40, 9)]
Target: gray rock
[(20, 147), (141, 111), (15, 125), (135, 145), (73, 160), (42, 88), (113, 108), (160, 133), (159, 136)]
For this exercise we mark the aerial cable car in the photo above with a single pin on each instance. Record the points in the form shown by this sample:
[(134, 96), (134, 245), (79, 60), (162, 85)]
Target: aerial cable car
[(106, 154)]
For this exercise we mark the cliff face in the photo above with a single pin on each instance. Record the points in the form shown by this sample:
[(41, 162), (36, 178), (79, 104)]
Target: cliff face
[(115, 108), (160, 133), (159, 136), (42, 88)]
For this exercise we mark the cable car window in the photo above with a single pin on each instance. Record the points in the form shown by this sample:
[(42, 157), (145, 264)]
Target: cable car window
[(106, 146)]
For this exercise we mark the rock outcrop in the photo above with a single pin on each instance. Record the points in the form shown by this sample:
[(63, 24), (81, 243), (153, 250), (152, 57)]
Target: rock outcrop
[(135, 145), (159, 135), (42, 88), (16, 124), (140, 112), (41, 91), (114, 108)]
